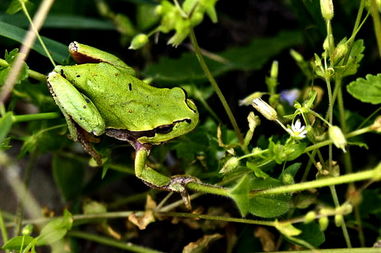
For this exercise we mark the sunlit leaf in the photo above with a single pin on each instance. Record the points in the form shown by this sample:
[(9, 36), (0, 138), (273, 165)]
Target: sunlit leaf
[(367, 90)]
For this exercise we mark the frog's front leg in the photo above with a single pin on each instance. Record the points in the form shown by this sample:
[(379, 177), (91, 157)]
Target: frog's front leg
[(157, 180)]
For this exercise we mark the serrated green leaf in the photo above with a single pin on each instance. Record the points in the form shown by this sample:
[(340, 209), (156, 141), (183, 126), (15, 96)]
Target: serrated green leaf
[(18, 242), (68, 174), (55, 230), (58, 50), (247, 58), (367, 90)]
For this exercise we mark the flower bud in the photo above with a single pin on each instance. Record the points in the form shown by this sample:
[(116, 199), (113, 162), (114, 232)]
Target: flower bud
[(326, 7), (323, 223), (138, 41), (27, 230), (339, 52), (339, 219), (274, 70), (337, 137), (309, 217), (376, 126), (230, 165), (264, 108), (297, 57)]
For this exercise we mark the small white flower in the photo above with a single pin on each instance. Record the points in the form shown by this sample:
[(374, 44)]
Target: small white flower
[(297, 130)]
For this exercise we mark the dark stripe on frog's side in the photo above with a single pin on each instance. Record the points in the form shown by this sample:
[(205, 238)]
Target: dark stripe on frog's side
[(127, 135)]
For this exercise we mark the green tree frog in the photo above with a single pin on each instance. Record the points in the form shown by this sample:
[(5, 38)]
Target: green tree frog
[(101, 95)]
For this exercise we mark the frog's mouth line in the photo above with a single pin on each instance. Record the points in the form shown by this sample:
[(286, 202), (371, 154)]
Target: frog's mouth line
[(127, 135)]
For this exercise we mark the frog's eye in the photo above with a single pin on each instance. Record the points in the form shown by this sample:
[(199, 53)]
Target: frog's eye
[(164, 129)]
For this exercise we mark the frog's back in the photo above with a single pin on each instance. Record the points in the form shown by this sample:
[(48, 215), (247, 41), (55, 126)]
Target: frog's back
[(126, 102)]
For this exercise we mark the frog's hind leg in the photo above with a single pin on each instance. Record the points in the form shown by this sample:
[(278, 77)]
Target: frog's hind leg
[(84, 138), (156, 180)]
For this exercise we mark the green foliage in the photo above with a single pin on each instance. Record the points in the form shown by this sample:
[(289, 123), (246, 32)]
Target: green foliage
[(246, 58), (57, 50), (262, 206), (367, 90), (69, 176), (270, 178)]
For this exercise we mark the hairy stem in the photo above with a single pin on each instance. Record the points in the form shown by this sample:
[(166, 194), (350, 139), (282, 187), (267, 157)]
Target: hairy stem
[(214, 84)]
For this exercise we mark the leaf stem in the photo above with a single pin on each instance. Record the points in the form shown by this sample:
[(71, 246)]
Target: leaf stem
[(353, 177), (111, 242), (214, 84), (377, 23), (35, 116)]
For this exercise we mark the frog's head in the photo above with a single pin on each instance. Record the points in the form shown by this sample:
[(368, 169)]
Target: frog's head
[(177, 128)]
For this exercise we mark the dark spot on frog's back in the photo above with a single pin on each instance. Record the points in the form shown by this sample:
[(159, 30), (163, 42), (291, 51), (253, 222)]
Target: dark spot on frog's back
[(84, 106), (87, 100), (130, 86), (62, 73), (78, 76)]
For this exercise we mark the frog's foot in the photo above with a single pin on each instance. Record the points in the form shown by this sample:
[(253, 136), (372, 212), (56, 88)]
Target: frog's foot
[(85, 139), (178, 184)]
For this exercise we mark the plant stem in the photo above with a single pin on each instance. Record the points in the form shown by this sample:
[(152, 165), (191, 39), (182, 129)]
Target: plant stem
[(377, 23), (353, 250), (343, 226), (25, 10), (214, 84), (28, 41), (111, 242), (218, 218), (359, 176), (4, 233), (35, 116), (212, 189)]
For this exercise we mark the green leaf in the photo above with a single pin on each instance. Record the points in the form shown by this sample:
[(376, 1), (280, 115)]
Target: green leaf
[(4, 70), (287, 229), (367, 90), (247, 58), (5, 125), (265, 206), (15, 6), (58, 50), (311, 233), (55, 230), (288, 152), (68, 175), (61, 21), (355, 56), (18, 242)]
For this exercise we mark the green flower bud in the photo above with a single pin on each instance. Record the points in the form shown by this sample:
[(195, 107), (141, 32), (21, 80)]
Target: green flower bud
[(339, 219), (264, 108), (274, 70), (337, 136), (196, 18), (158, 10), (249, 99), (309, 217), (323, 223), (339, 52), (326, 7), (27, 230), (297, 57), (138, 41), (230, 165), (287, 179)]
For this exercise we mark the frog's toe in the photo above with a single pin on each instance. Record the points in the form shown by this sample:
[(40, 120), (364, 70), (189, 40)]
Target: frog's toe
[(178, 184)]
